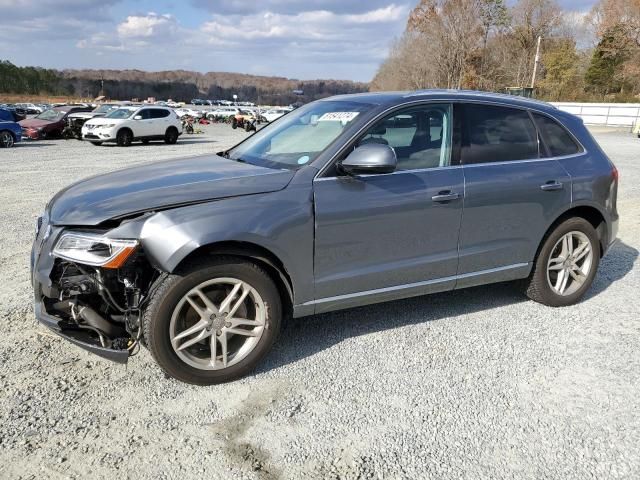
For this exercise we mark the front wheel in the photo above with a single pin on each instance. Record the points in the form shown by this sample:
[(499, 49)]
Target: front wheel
[(6, 139), (124, 138), (566, 264), (213, 323)]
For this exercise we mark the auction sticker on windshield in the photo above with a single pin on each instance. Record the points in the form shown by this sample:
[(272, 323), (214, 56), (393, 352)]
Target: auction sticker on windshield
[(338, 116)]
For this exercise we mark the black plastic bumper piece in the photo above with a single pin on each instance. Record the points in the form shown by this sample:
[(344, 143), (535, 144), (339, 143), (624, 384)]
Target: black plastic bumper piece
[(79, 337)]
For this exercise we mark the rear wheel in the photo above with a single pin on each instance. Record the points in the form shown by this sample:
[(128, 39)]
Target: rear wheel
[(124, 138), (566, 265), (213, 322), (171, 136), (6, 139), (234, 123)]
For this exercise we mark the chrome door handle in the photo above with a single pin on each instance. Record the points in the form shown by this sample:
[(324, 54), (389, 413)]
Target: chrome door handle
[(445, 197), (551, 185)]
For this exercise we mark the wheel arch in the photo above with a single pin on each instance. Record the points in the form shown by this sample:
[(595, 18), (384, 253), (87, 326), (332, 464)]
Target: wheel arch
[(588, 212), (255, 253), (122, 129)]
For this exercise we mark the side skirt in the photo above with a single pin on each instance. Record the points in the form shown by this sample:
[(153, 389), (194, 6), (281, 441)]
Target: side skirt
[(397, 292)]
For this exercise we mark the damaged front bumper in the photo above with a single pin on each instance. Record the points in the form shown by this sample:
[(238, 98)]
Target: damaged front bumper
[(81, 338), (62, 312)]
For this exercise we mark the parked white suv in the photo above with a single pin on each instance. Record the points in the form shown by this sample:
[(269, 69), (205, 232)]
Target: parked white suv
[(129, 124)]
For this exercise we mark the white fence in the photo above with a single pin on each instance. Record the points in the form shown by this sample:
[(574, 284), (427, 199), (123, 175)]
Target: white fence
[(610, 114)]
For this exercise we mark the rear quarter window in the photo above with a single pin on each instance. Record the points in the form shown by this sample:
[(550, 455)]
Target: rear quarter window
[(555, 137)]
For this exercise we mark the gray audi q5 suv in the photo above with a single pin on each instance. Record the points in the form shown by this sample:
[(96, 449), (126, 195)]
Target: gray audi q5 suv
[(343, 202)]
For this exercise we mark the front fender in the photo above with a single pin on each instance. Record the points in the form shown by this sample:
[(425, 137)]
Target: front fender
[(280, 222)]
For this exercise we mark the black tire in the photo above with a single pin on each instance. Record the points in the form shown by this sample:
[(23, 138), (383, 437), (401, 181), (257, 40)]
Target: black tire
[(97, 144), (248, 127), (538, 288), (7, 139), (124, 138), (234, 123), (171, 136), (168, 293)]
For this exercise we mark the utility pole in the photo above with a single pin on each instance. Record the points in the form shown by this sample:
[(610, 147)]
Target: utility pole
[(535, 63)]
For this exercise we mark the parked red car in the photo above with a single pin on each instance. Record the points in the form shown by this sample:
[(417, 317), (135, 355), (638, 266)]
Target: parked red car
[(49, 123)]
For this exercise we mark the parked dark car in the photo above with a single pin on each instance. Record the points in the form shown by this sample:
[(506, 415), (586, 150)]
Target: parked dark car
[(50, 123), (10, 131), (346, 201)]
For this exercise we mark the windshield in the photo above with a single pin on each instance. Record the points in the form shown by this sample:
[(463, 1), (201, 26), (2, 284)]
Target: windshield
[(300, 136), (51, 115), (105, 109), (121, 113)]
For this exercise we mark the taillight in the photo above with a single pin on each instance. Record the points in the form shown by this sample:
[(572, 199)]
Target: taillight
[(614, 173)]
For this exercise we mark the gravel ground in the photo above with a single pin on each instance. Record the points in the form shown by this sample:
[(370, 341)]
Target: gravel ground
[(479, 383)]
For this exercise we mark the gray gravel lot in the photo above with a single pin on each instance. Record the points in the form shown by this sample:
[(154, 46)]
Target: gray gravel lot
[(476, 384)]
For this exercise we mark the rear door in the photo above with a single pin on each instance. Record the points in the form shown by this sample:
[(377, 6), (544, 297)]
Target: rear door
[(386, 236), (512, 193)]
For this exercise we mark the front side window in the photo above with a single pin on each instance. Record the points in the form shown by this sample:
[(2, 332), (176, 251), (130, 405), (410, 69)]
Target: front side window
[(420, 136), (498, 134), (145, 113), (300, 136), (555, 137), (159, 113)]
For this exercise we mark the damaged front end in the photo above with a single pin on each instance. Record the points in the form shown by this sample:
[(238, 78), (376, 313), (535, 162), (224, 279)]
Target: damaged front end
[(91, 290)]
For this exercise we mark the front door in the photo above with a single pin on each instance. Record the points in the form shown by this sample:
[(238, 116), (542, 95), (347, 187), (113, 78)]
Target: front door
[(386, 236)]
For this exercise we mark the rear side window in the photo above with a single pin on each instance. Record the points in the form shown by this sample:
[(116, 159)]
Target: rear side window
[(498, 134), (555, 137)]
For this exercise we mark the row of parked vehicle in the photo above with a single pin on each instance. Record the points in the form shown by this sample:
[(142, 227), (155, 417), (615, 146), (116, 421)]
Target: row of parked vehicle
[(122, 122)]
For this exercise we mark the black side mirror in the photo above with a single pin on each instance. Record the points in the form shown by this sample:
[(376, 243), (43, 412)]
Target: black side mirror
[(370, 158)]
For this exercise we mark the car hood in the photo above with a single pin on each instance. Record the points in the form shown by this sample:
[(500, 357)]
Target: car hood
[(85, 115), (104, 121), (34, 123), (159, 186)]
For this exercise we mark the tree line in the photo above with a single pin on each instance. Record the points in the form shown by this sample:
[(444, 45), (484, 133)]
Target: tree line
[(488, 45), (178, 85)]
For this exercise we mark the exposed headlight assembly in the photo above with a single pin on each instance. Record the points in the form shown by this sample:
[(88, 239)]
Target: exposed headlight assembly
[(96, 250)]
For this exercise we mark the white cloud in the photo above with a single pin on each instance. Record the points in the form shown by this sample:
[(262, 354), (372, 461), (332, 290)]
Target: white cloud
[(315, 25), (149, 25)]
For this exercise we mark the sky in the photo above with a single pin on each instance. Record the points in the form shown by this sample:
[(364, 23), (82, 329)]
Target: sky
[(303, 39)]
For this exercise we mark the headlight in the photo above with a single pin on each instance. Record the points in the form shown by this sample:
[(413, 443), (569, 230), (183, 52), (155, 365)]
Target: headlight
[(95, 250), (111, 125)]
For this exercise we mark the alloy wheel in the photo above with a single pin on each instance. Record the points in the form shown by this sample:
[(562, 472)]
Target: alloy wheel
[(570, 263), (6, 140), (217, 323)]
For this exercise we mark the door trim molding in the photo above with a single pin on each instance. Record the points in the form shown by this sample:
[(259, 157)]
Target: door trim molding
[(394, 288)]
